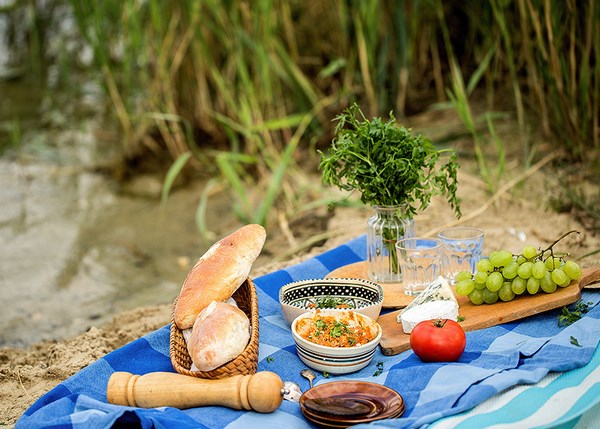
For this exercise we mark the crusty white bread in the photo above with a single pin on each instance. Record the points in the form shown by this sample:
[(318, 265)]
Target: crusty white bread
[(219, 272), (220, 334)]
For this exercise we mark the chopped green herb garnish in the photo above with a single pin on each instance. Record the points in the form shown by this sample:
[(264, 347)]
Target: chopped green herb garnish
[(338, 329), (574, 341), (379, 369), (333, 302)]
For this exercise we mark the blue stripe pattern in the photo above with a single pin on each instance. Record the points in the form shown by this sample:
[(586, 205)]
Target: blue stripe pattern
[(436, 394), (585, 381)]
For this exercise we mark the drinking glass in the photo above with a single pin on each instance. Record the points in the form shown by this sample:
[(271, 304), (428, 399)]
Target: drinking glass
[(463, 246), (421, 262)]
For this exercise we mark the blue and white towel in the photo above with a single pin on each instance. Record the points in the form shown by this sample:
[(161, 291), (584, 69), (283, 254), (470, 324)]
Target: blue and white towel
[(499, 359)]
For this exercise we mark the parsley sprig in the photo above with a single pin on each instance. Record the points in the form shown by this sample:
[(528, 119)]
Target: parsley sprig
[(387, 164), (569, 316)]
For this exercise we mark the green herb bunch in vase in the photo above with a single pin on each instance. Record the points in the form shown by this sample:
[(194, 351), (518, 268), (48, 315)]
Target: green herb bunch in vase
[(396, 172)]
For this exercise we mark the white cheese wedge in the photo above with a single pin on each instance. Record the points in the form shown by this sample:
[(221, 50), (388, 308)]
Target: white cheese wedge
[(437, 301), (437, 309)]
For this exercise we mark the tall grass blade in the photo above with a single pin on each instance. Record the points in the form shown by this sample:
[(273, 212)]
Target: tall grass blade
[(226, 163), (500, 150), (172, 174), (479, 72), (202, 209)]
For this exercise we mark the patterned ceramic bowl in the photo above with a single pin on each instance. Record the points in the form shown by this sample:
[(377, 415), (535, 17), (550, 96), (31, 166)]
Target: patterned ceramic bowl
[(362, 296), (335, 341)]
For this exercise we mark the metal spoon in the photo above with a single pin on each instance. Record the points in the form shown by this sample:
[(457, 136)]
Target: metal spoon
[(310, 375)]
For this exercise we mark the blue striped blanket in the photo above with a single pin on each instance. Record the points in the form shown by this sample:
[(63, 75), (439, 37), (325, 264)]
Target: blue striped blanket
[(510, 375)]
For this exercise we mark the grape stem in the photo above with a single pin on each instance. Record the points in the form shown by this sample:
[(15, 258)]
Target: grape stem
[(549, 248)]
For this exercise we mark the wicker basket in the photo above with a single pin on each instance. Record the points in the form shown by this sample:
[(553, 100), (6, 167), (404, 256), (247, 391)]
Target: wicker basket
[(245, 363)]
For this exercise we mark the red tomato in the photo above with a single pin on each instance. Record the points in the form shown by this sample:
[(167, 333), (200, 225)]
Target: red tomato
[(440, 340)]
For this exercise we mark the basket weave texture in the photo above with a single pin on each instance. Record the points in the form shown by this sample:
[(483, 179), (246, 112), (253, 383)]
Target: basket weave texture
[(246, 363)]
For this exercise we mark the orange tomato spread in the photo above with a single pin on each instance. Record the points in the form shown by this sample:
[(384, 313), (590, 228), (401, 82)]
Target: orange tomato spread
[(337, 329)]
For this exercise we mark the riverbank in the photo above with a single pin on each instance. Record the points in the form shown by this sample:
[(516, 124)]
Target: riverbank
[(510, 218)]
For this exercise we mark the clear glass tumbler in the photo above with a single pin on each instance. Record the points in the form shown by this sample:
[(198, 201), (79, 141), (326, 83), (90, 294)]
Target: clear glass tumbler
[(421, 262), (463, 246)]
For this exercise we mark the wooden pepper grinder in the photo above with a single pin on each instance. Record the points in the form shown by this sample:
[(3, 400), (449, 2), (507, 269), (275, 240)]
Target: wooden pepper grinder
[(260, 392)]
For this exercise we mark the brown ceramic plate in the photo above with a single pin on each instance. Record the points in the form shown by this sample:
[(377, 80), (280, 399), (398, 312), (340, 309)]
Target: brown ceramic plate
[(348, 422), (345, 403)]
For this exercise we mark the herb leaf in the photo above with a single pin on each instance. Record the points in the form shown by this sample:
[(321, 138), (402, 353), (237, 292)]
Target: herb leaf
[(574, 341), (569, 316), (338, 329), (387, 164)]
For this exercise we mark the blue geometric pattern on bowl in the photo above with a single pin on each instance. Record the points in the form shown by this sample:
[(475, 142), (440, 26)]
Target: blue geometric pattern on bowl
[(360, 295)]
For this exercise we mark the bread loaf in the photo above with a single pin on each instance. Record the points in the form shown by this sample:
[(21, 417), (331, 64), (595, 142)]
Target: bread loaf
[(218, 273), (220, 334)]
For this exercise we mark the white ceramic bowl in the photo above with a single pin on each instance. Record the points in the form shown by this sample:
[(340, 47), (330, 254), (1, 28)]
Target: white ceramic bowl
[(336, 360), (362, 296)]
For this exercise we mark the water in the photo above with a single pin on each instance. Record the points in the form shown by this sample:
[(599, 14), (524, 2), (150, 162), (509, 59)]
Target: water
[(76, 246), (76, 250)]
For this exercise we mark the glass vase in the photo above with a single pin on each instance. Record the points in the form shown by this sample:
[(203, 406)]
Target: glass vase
[(388, 225)]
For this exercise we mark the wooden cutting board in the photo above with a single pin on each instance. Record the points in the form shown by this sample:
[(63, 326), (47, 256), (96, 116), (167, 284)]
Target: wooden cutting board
[(393, 293), (394, 340)]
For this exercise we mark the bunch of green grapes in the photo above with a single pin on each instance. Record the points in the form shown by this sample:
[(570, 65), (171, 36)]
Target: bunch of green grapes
[(503, 276)]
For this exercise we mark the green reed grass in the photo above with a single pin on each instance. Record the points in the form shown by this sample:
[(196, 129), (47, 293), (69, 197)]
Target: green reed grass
[(10, 134), (553, 59), (542, 52), (459, 95), (567, 36), (240, 86), (15, 134)]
